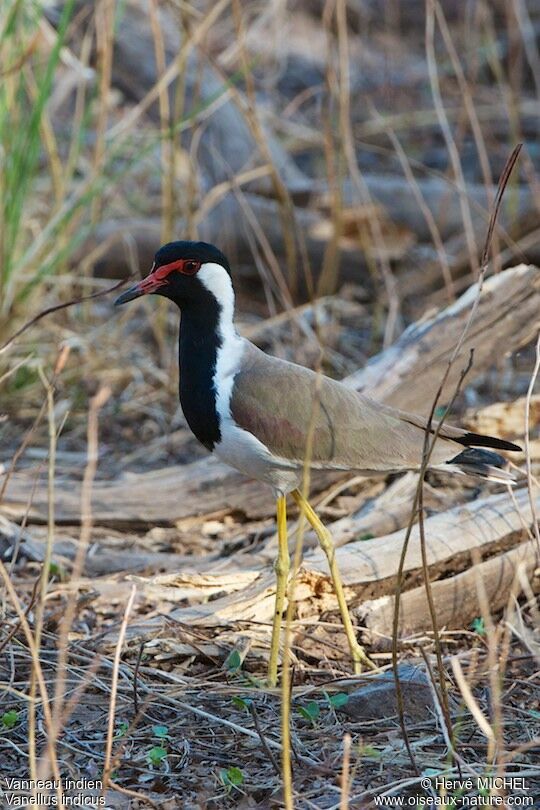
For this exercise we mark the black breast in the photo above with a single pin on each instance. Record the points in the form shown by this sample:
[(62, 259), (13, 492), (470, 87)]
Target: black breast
[(199, 345)]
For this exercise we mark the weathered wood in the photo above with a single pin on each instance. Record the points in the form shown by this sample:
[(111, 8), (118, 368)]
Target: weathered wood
[(505, 419), (393, 194), (194, 585), (456, 598), (104, 557), (491, 524), (407, 374), (388, 512), (369, 568), (160, 497)]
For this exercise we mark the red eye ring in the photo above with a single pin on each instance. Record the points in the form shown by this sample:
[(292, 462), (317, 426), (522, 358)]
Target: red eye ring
[(187, 267)]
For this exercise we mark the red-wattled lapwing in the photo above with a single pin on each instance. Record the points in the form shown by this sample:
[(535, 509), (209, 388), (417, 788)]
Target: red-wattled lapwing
[(265, 416)]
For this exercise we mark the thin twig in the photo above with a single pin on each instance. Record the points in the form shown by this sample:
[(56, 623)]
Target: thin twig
[(136, 679), (536, 528), (58, 307), (114, 689), (344, 780), (268, 750), (16, 627)]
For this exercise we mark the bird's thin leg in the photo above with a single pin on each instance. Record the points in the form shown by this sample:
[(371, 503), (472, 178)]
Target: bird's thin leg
[(325, 539), (282, 573)]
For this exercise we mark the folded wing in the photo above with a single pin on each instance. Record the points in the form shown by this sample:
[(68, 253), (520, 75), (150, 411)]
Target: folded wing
[(299, 414)]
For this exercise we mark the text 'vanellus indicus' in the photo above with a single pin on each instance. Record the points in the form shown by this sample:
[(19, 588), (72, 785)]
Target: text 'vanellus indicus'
[(266, 416)]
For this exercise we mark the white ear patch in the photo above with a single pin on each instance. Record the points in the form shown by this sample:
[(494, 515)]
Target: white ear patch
[(217, 281)]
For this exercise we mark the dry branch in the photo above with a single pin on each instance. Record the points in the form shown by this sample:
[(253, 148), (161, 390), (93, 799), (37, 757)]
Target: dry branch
[(408, 373), (490, 525), (456, 598), (393, 194)]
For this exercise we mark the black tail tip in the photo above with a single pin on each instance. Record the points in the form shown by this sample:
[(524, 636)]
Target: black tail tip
[(473, 456), (483, 464), (477, 440)]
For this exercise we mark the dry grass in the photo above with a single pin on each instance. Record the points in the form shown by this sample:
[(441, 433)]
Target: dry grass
[(216, 719)]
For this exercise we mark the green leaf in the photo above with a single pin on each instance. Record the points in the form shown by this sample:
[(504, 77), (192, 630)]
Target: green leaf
[(231, 777), (241, 703), (338, 700), (122, 729), (160, 731), (370, 752), (479, 626), (23, 377), (233, 661), (156, 755), (10, 718), (310, 712), (366, 536), (56, 570)]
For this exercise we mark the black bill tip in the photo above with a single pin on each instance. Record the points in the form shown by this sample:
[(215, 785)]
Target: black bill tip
[(128, 295)]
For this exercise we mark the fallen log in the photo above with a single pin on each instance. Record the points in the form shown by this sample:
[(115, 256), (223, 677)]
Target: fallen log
[(382, 514), (492, 526), (406, 374), (393, 194), (206, 486), (457, 599)]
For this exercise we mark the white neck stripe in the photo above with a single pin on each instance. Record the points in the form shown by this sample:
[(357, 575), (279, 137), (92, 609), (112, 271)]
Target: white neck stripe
[(218, 282)]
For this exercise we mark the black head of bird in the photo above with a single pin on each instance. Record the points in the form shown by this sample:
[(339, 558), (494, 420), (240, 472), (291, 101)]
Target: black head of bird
[(176, 274), (268, 417)]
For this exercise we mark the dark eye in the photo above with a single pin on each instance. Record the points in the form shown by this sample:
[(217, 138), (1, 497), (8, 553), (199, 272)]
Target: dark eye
[(190, 267)]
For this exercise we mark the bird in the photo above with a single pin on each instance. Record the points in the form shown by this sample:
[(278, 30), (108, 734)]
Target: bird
[(269, 418)]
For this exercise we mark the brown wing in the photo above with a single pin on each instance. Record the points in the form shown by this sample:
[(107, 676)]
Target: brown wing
[(285, 405)]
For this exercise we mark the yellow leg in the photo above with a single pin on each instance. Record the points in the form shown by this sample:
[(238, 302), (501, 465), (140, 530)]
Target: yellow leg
[(282, 572), (358, 654)]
